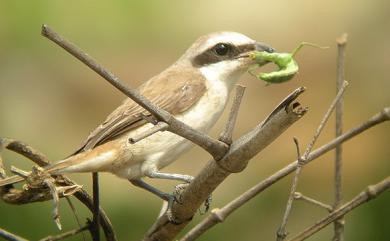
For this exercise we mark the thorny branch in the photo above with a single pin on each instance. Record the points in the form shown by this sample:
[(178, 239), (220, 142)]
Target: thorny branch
[(219, 215)]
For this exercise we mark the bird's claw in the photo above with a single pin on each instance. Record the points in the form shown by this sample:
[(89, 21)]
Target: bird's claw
[(178, 198), (206, 205), (178, 191), (171, 198)]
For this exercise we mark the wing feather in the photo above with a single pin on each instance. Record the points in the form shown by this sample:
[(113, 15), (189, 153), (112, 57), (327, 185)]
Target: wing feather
[(172, 91)]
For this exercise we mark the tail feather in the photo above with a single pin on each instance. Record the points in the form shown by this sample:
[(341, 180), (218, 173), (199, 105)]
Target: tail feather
[(97, 159)]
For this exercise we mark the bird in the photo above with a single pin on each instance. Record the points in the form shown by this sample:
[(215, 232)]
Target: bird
[(195, 90)]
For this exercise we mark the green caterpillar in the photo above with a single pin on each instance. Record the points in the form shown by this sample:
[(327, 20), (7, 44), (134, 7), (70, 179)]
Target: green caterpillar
[(288, 67)]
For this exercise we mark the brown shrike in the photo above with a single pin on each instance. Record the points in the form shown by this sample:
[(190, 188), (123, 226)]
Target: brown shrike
[(195, 90)]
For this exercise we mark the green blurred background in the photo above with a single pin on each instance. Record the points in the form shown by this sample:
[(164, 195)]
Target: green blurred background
[(51, 101)]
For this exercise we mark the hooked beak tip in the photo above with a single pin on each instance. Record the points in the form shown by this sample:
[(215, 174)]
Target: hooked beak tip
[(264, 47)]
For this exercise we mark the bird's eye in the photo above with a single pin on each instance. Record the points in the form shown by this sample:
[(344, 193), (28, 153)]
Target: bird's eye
[(221, 49)]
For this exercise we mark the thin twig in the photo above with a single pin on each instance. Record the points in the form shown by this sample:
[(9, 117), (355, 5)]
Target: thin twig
[(282, 233), (25, 150), (74, 211), (216, 148), (224, 212), (370, 193), (215, 172), (227, 133), (95, 227), (160, 126), (105, 222), (56, 202), (10, 236), (19, 172), (65, 234), (339, 224), (300, 196)]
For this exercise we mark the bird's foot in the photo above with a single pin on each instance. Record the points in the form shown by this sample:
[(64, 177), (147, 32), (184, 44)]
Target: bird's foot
[(170, 198), (178, 197)]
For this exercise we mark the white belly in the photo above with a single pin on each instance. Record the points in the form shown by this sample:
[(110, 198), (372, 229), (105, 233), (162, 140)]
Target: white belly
[(162, 148)]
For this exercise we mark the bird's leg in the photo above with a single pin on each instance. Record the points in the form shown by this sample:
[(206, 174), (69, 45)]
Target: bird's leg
[(170, 198), (165, 196), (169, 176), (178, 188), (172, 176)]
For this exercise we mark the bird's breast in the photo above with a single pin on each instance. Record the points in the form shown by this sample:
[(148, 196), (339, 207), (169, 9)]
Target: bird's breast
[(162, 148)]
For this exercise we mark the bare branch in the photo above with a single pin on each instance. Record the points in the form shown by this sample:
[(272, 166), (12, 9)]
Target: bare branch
[(10, 236), (339, 224), (282, 233), (24, 150), (324, 120), (95, 226), (216, 148), (66, 234), (19, 172), (235, 160), (227, 133), (300, 196), (229, 208), (74, 211), (160, 126), (370, 193)]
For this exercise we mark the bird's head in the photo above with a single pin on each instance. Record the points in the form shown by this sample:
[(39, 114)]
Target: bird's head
[(223, 56)]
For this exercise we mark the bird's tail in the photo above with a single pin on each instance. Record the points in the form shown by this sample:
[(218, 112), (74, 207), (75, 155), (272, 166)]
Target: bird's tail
[(93, 160)]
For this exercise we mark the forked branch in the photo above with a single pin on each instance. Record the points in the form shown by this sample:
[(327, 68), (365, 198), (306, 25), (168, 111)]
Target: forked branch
[(370, 193)]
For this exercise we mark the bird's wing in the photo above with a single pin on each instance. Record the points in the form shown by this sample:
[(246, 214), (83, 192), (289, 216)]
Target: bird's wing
[(172, 91)]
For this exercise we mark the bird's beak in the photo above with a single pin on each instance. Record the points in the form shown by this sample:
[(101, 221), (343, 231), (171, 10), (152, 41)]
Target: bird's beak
[(258, 46), (263, 47)]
